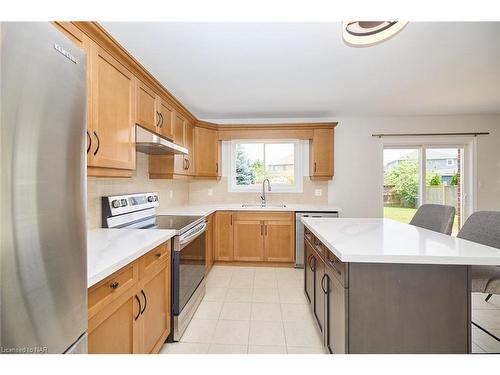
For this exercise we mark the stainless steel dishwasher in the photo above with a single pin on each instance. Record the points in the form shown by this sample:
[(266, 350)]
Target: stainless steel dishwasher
[(299, 233)]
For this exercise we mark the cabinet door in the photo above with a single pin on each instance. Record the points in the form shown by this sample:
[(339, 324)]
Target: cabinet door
[(209, 241), (166, 122), (223, 249), (112, 128), (279, 241), (115, 329), (155, 319), (309, 273), (335, 314), (321, 153), (146, 109), (189, 144), (206, 152), (179, 128), (248, 240), (319, 296)]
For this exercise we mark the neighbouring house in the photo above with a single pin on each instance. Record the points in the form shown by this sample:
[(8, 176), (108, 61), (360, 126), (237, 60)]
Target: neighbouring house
[(442, 162)]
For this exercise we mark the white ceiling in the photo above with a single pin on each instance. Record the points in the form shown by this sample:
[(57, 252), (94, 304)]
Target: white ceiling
[(304, 70)]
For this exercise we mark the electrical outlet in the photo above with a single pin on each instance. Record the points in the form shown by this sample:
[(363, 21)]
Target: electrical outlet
[(318, 192), (171, 193), (210, 192)]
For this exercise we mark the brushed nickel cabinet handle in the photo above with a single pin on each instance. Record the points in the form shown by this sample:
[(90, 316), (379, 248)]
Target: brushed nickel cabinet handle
[(158, 255), (114, 285)]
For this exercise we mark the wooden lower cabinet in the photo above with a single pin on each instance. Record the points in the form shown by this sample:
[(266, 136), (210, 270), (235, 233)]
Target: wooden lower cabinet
[(248, 240), (223, 245), (129, 311), (155, 319), (113, 330), (254, 236), (209, 243), (279, 240)]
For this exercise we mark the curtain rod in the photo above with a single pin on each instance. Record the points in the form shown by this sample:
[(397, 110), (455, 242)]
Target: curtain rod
[(475, 134)]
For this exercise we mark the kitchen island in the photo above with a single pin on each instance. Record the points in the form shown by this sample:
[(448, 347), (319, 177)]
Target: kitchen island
[(379, 286)]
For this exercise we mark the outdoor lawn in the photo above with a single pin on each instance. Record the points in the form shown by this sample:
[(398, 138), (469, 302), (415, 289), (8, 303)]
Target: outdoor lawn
[(404, 215), (401, 214)]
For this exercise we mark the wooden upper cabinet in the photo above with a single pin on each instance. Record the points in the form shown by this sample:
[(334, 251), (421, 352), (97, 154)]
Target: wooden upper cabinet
[(321, 154), (248, 240), (112, 112), (223, 244), (179, 129), (189, 144), (279, 241), (206, 153), (166, 123), (71, 31), (146, 107)]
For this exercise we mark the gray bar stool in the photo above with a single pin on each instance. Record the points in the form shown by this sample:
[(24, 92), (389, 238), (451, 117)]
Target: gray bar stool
[(436, 217), (484, 227)]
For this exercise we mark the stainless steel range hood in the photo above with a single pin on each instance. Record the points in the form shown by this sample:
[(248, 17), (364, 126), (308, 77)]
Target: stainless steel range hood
[(150, 143)]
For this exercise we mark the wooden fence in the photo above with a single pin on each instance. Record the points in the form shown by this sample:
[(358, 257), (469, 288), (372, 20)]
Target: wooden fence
[(443, 194)]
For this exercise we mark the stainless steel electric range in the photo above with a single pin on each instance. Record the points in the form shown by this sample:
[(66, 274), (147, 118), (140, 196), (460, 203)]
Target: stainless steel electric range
[(188, 255)]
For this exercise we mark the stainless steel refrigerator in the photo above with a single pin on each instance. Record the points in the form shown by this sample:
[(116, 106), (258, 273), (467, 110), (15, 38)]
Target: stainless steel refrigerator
[(43, 271)]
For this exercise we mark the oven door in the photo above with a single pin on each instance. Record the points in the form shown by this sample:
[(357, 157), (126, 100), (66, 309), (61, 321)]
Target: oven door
[(188, 266)]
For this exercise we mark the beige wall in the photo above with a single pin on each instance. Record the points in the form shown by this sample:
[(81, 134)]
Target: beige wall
[(98, 187), (358, 183)]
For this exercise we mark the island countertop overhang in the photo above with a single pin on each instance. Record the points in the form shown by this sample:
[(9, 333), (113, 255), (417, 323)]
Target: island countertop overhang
[(367, 240)]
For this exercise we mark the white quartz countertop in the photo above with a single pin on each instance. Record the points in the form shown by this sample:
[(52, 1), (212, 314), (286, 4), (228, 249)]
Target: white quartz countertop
[(204, 210), (108, 250), (388, 241)]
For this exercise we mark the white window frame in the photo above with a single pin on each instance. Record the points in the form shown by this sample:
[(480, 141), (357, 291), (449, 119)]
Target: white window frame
[(298, 173), (469, 162)]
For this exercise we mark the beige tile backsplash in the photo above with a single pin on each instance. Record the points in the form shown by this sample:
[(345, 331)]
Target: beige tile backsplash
[(140, 182), (183, 192), (198, 193)]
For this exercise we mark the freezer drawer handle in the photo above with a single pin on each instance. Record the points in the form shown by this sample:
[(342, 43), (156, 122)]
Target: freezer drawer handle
[(145, 301), (139, 312), (114, 285)]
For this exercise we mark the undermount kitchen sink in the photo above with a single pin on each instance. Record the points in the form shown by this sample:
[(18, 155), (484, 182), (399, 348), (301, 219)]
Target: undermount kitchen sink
[(248, 205)]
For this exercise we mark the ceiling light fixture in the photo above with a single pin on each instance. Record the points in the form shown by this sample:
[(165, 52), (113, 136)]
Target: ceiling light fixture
[(369, 33)]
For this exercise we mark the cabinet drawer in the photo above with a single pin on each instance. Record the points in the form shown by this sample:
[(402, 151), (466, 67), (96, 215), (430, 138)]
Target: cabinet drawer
[(320, 248), (154, 260), (337, 266), (308, 235), (112, 287)]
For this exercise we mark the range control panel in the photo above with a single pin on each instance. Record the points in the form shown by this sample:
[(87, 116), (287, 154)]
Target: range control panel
[(121, 204)]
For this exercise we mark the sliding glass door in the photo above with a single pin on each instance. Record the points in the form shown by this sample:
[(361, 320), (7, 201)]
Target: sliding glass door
[(424, 174)]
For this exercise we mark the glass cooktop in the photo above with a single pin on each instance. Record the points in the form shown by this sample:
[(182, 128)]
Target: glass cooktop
[(176, 222)]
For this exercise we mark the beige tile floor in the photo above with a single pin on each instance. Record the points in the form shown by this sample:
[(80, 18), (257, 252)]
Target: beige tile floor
[(263, 310), (487, 315), (254, 310)]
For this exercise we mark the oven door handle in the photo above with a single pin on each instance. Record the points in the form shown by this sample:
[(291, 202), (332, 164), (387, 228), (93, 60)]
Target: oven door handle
[(192, 235)]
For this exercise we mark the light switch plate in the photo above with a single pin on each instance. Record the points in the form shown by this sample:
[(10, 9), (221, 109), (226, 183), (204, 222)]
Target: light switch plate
[(318, 192), (210, 192), (171, 194)]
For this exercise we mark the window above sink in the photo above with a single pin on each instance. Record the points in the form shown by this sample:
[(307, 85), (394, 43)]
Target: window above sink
[(252, 161)]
